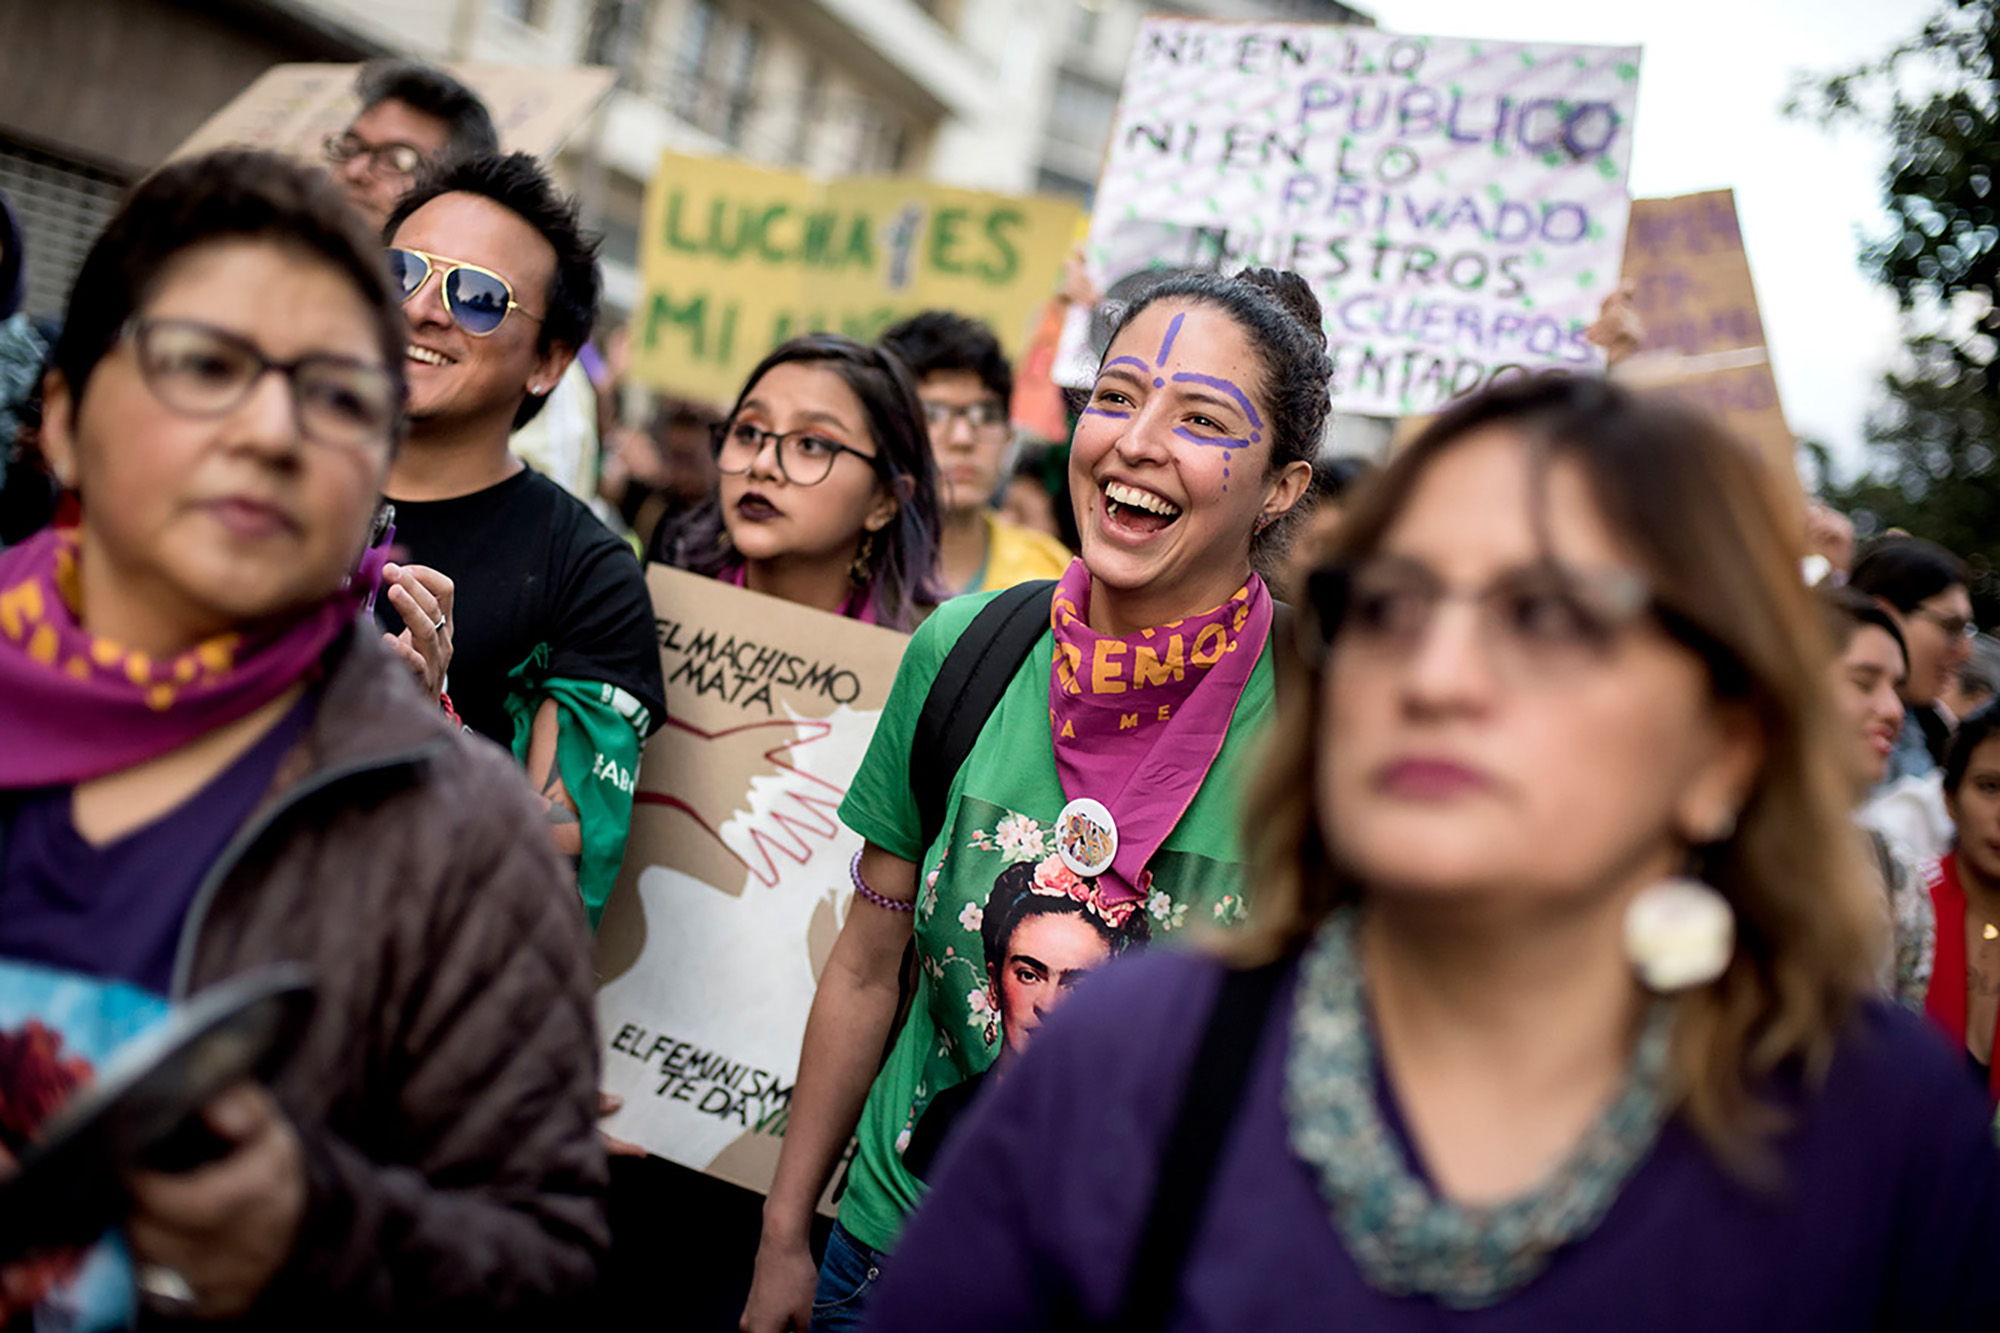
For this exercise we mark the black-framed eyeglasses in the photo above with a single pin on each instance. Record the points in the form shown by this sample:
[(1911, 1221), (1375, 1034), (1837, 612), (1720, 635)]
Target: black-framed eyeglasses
[(805, 457), (389, 159), (985, 417), (1538, 623), (199, 370), (477, 299)]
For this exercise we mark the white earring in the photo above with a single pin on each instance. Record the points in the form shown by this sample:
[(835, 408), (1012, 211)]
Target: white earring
[(1678, 933)]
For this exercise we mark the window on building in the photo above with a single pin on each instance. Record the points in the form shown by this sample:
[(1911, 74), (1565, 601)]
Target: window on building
[(1048, 180), (613, 37), (1081, 111), (881, 140), (691, 55), (527, 13), (812, 97), (739, 82), (1083, 25), (62, 205)]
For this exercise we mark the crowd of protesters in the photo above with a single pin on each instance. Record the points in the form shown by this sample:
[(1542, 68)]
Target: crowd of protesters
[(1562, 902)]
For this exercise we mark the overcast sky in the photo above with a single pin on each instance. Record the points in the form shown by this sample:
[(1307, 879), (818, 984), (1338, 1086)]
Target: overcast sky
[(1712, 80)]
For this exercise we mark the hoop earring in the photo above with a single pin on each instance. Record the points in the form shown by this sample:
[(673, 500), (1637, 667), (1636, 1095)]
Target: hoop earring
[(858, 572)]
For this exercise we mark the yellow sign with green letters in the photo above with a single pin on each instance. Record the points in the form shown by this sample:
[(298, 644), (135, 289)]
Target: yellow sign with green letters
[(736, 259)]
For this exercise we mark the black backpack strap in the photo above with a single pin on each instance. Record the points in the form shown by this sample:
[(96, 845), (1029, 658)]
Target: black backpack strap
[(966, 690), (1285, 660), (1215, 1087)]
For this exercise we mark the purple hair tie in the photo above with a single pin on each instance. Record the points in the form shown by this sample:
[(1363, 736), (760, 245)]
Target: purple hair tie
[(882, 901)]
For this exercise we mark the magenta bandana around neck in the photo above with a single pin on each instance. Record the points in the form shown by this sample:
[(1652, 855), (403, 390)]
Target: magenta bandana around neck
[(75, 707), (858, 606), (1139, 720)]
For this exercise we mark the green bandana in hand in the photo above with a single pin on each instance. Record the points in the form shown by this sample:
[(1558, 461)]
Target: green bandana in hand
[(599, 729)]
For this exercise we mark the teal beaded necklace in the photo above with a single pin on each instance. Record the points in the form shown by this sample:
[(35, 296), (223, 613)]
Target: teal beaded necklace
[(1403, 1237)]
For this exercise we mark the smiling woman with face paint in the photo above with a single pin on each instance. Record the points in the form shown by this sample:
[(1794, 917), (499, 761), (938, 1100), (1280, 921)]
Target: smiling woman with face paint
[(1113, 758)]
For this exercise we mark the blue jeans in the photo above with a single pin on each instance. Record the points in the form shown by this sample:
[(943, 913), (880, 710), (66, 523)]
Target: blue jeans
[(847, 1274)]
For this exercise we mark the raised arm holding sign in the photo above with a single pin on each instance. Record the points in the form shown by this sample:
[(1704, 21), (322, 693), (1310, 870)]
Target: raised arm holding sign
[(1459, 206)]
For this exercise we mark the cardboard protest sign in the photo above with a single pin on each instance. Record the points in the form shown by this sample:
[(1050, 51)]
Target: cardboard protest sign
[(735, 878), (1703, 336), (736, 259), (1458, 205), (292, 108)]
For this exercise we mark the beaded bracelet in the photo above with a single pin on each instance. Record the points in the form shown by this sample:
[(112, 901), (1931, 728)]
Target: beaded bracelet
[(882, 901)]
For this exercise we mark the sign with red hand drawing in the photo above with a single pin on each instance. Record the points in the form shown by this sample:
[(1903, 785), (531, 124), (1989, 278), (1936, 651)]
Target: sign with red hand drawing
[(736, 874)]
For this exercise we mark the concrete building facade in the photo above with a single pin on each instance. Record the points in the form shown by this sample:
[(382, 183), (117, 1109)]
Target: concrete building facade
[(99, 91)]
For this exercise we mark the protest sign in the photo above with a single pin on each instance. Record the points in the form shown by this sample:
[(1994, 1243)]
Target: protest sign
[(1458, 205), (1702, 334), (735, 878), (736, 259), (292, 108)]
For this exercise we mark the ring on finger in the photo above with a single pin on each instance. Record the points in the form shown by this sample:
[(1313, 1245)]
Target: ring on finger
[(439, 627)]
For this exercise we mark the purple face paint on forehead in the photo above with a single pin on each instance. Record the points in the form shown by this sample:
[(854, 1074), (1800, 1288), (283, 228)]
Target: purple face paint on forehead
[(1226, 443)]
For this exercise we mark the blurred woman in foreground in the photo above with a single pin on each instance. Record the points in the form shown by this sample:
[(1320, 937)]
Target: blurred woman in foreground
[(208, 763), (1518, 1072)]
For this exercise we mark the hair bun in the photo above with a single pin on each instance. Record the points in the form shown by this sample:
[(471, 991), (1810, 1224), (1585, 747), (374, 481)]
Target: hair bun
[(1292, 292)]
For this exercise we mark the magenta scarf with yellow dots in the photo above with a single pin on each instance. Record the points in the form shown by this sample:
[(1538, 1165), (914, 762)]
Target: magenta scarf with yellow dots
[(1138, 720), (75, 707)]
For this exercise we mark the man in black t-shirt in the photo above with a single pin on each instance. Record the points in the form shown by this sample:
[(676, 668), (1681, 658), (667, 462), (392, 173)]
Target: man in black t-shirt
[(553, 649)]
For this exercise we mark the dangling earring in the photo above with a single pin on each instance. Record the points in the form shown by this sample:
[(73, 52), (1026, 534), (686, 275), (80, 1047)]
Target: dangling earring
[(1680, 932), (858, 572)]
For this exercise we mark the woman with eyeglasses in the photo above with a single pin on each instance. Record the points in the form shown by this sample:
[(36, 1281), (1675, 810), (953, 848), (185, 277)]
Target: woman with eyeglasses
[(1558, 1015), (828, 495), (1111, 761), (209, 764)]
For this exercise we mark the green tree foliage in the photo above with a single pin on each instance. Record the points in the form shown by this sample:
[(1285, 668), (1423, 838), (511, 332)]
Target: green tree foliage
[(1933, 439)]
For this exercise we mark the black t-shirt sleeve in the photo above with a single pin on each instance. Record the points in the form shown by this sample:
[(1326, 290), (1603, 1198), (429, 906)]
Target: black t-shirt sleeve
[(604, 616)]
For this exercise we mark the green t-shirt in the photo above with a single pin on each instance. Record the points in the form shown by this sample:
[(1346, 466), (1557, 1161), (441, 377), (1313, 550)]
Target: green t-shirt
[(997, 826)]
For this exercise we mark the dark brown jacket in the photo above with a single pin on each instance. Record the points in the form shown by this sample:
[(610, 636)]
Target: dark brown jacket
[(445, 1093)]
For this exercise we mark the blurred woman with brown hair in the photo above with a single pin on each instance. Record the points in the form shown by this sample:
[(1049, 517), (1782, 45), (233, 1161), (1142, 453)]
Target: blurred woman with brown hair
[(1568, 1024)]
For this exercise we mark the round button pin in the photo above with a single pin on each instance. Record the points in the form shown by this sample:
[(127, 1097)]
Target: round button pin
[(1086, 837)]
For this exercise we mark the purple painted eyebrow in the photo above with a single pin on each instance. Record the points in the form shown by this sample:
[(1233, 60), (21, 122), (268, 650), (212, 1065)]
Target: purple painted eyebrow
[(1189, 377), (1144, 369), (1173, 331)]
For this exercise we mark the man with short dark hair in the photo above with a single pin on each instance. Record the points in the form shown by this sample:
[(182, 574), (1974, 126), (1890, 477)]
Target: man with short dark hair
[(412, 116), (553, 654), (965, 383)]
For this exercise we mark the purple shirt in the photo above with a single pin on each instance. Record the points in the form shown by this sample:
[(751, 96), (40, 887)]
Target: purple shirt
[(1888, 1217), (115, 909)]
